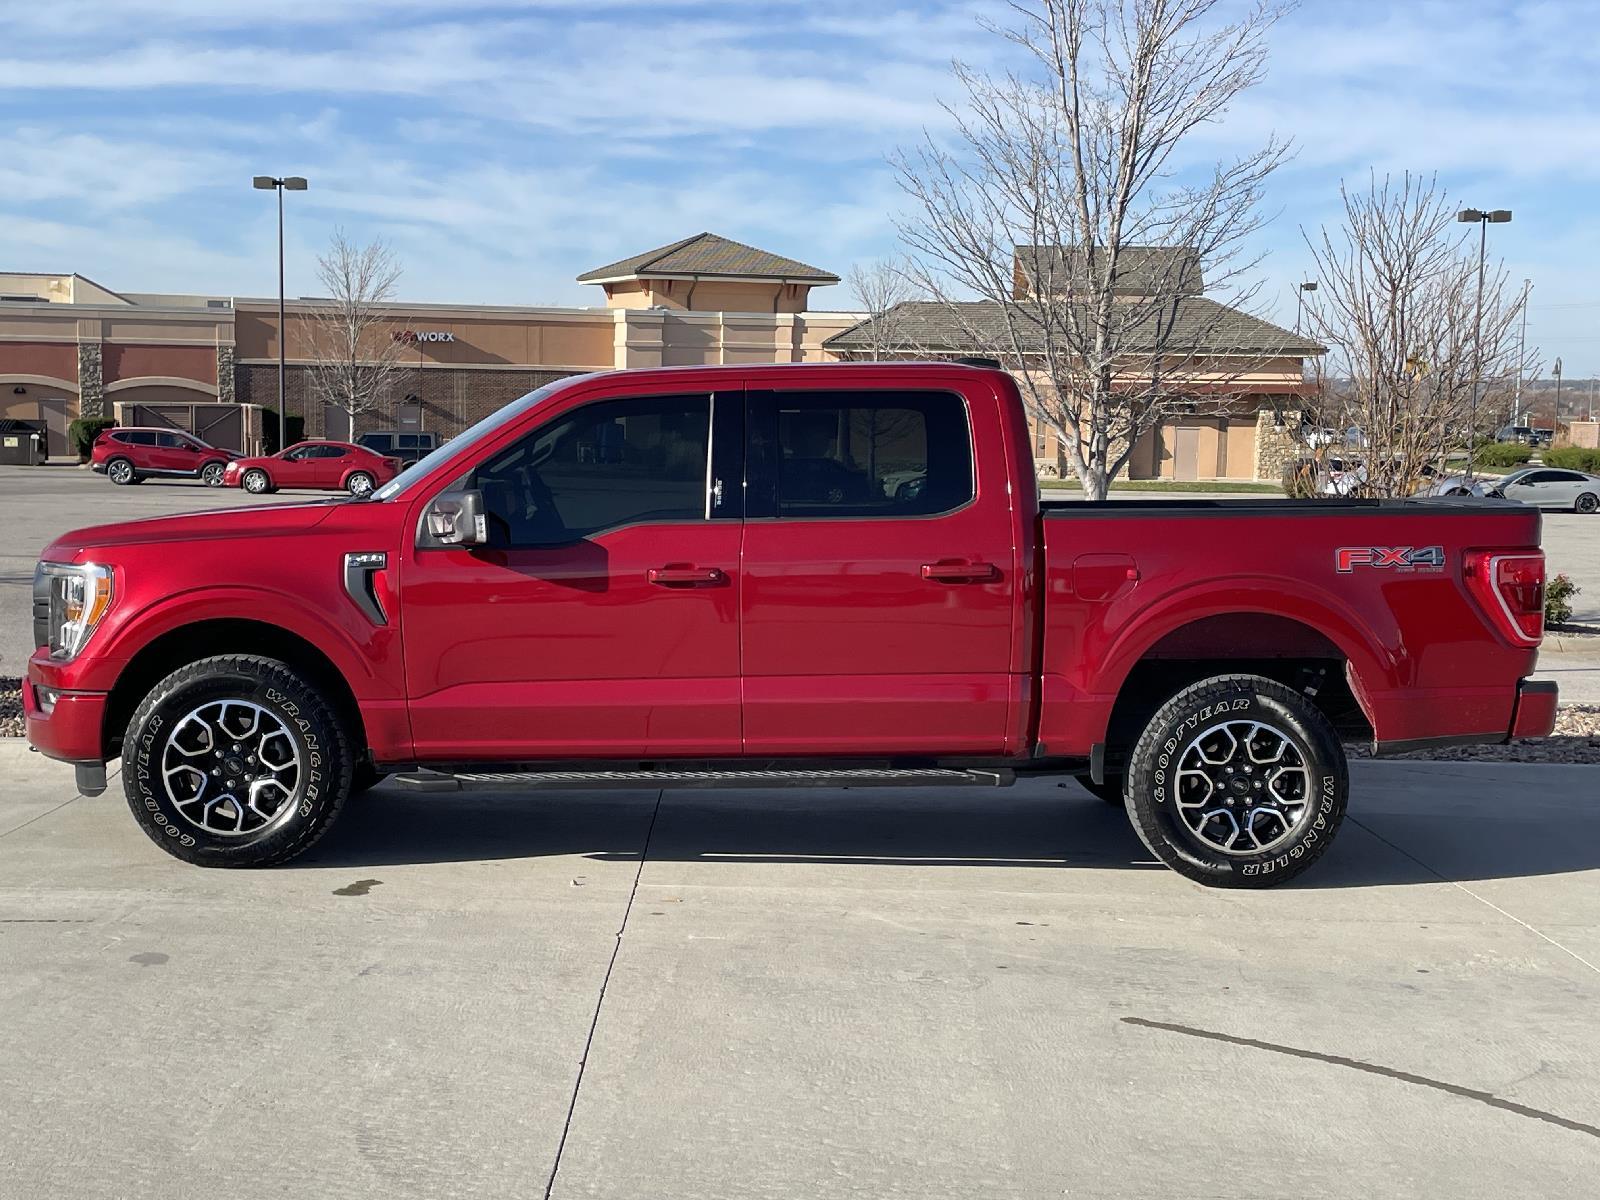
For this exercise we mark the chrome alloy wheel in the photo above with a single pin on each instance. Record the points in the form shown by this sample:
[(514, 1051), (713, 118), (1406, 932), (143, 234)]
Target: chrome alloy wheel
[(121, 471), (231, 768), (1243, 787)]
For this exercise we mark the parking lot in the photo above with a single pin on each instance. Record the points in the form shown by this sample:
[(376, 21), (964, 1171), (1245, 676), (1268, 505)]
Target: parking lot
[(832, 993)]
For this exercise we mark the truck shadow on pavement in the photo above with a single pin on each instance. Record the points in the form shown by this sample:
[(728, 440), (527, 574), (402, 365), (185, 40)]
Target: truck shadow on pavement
[(1385, 840)]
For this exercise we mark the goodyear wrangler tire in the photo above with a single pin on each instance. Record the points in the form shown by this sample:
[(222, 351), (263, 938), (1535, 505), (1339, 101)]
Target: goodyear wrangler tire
[(1238, 781), (235, 761)]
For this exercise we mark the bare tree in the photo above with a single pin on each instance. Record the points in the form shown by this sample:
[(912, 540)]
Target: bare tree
[(1396, 305), (1066, 205), (356, 357), (878, 288)]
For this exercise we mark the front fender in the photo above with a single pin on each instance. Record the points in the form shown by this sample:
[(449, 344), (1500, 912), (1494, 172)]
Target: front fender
[(361, 652)]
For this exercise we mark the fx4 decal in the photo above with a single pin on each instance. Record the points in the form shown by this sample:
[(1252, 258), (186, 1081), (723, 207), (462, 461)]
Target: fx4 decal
[(1401, 558)]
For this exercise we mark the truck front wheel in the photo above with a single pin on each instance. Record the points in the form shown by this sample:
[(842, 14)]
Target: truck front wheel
[(1238, 781), (235, 761)]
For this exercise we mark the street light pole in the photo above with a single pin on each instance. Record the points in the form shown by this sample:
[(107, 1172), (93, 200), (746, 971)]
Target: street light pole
[(1522, 354), (1483, 217), (293, 183)]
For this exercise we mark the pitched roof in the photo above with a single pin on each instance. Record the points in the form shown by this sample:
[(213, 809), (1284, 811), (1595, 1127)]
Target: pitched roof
[(978, 326), (1141, 270), (708, 254)]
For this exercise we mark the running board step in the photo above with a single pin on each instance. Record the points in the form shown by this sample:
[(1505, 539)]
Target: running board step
[(440, 781)]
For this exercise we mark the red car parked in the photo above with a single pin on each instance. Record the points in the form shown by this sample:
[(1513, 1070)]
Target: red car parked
[(330, 466), (133, 455), (696, 577)]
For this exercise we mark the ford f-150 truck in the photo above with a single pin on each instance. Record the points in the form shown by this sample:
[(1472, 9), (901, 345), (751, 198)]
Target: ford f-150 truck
[(790, 575)]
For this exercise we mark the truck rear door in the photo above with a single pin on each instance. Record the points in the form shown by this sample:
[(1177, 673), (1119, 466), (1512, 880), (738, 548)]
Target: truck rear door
[(878, 574)]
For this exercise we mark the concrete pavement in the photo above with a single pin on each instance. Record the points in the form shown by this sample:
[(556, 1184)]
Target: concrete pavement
[(854, 993)]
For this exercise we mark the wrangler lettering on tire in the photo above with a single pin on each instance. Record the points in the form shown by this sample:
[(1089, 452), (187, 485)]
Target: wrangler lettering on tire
[(1237, 781)]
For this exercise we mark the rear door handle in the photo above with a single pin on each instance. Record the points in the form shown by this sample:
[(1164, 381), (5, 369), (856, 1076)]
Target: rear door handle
[(685, 575), (960, 572)]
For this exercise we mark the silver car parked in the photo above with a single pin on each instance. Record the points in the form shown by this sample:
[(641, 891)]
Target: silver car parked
[(1551, 487)]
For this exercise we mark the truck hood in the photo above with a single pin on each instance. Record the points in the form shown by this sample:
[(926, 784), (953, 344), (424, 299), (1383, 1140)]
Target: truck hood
[(268, 521)]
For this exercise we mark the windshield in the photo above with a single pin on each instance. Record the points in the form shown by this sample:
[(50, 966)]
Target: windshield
[(458, 446)]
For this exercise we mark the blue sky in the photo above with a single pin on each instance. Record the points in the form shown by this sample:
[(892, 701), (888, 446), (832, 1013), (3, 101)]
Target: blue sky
[(503, 148)]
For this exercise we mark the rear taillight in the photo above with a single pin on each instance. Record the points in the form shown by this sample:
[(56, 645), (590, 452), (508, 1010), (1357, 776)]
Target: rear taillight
[(1509, 585)]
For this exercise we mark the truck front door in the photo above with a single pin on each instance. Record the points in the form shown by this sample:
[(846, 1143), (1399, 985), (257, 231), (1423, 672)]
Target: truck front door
[(601, 620), (879, 576)]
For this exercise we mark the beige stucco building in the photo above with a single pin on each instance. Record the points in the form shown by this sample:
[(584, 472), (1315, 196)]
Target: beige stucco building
[(1242, 378)]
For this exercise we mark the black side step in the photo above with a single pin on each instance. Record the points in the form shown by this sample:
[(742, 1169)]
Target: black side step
[(440, 781)]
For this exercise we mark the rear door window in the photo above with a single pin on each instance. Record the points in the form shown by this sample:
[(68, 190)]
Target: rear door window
[(859, 454)]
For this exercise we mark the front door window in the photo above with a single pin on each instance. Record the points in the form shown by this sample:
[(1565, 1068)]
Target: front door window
[(604, 466)]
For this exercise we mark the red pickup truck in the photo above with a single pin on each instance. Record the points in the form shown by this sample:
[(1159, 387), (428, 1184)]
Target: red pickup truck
[(790, 575)]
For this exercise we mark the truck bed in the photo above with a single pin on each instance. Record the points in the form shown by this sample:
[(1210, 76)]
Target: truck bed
[(1133, 582)]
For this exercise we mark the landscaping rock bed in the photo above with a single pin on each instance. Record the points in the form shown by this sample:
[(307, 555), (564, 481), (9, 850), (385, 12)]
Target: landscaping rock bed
[(10, 708)]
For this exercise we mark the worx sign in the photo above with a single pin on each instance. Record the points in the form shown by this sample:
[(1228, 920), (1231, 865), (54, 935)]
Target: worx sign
[(422, 335)]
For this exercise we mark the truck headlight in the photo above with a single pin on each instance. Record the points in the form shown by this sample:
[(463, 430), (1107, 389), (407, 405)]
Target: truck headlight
[(69, 602)]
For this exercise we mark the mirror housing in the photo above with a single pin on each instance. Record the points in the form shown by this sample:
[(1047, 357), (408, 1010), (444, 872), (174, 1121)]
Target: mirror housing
[(455, 519)]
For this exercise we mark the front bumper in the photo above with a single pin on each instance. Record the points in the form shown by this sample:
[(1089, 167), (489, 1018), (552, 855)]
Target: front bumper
[(64, 725), (1535, 714)]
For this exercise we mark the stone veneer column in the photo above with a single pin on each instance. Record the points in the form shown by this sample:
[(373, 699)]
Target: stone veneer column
[(1275, 447), (226, 392), (91, 381)]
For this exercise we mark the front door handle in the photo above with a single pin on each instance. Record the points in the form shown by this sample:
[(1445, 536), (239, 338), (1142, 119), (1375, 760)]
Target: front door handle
[(960, 572), (685, 575)]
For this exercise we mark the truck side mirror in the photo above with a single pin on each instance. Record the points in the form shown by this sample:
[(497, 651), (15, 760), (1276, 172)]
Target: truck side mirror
[(455, 519)]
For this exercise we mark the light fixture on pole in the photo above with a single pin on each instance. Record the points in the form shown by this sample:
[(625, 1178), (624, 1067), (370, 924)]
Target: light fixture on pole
[(1484, 218), (1556, 371), (268, 183), (1309, 285)]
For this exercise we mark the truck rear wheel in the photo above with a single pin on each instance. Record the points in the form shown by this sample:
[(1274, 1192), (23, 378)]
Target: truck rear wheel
[(235, 761), (1238, 781)]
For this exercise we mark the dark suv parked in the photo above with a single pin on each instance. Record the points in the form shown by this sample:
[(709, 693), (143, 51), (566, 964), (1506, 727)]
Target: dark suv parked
[(133, 455), (392, 443)]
